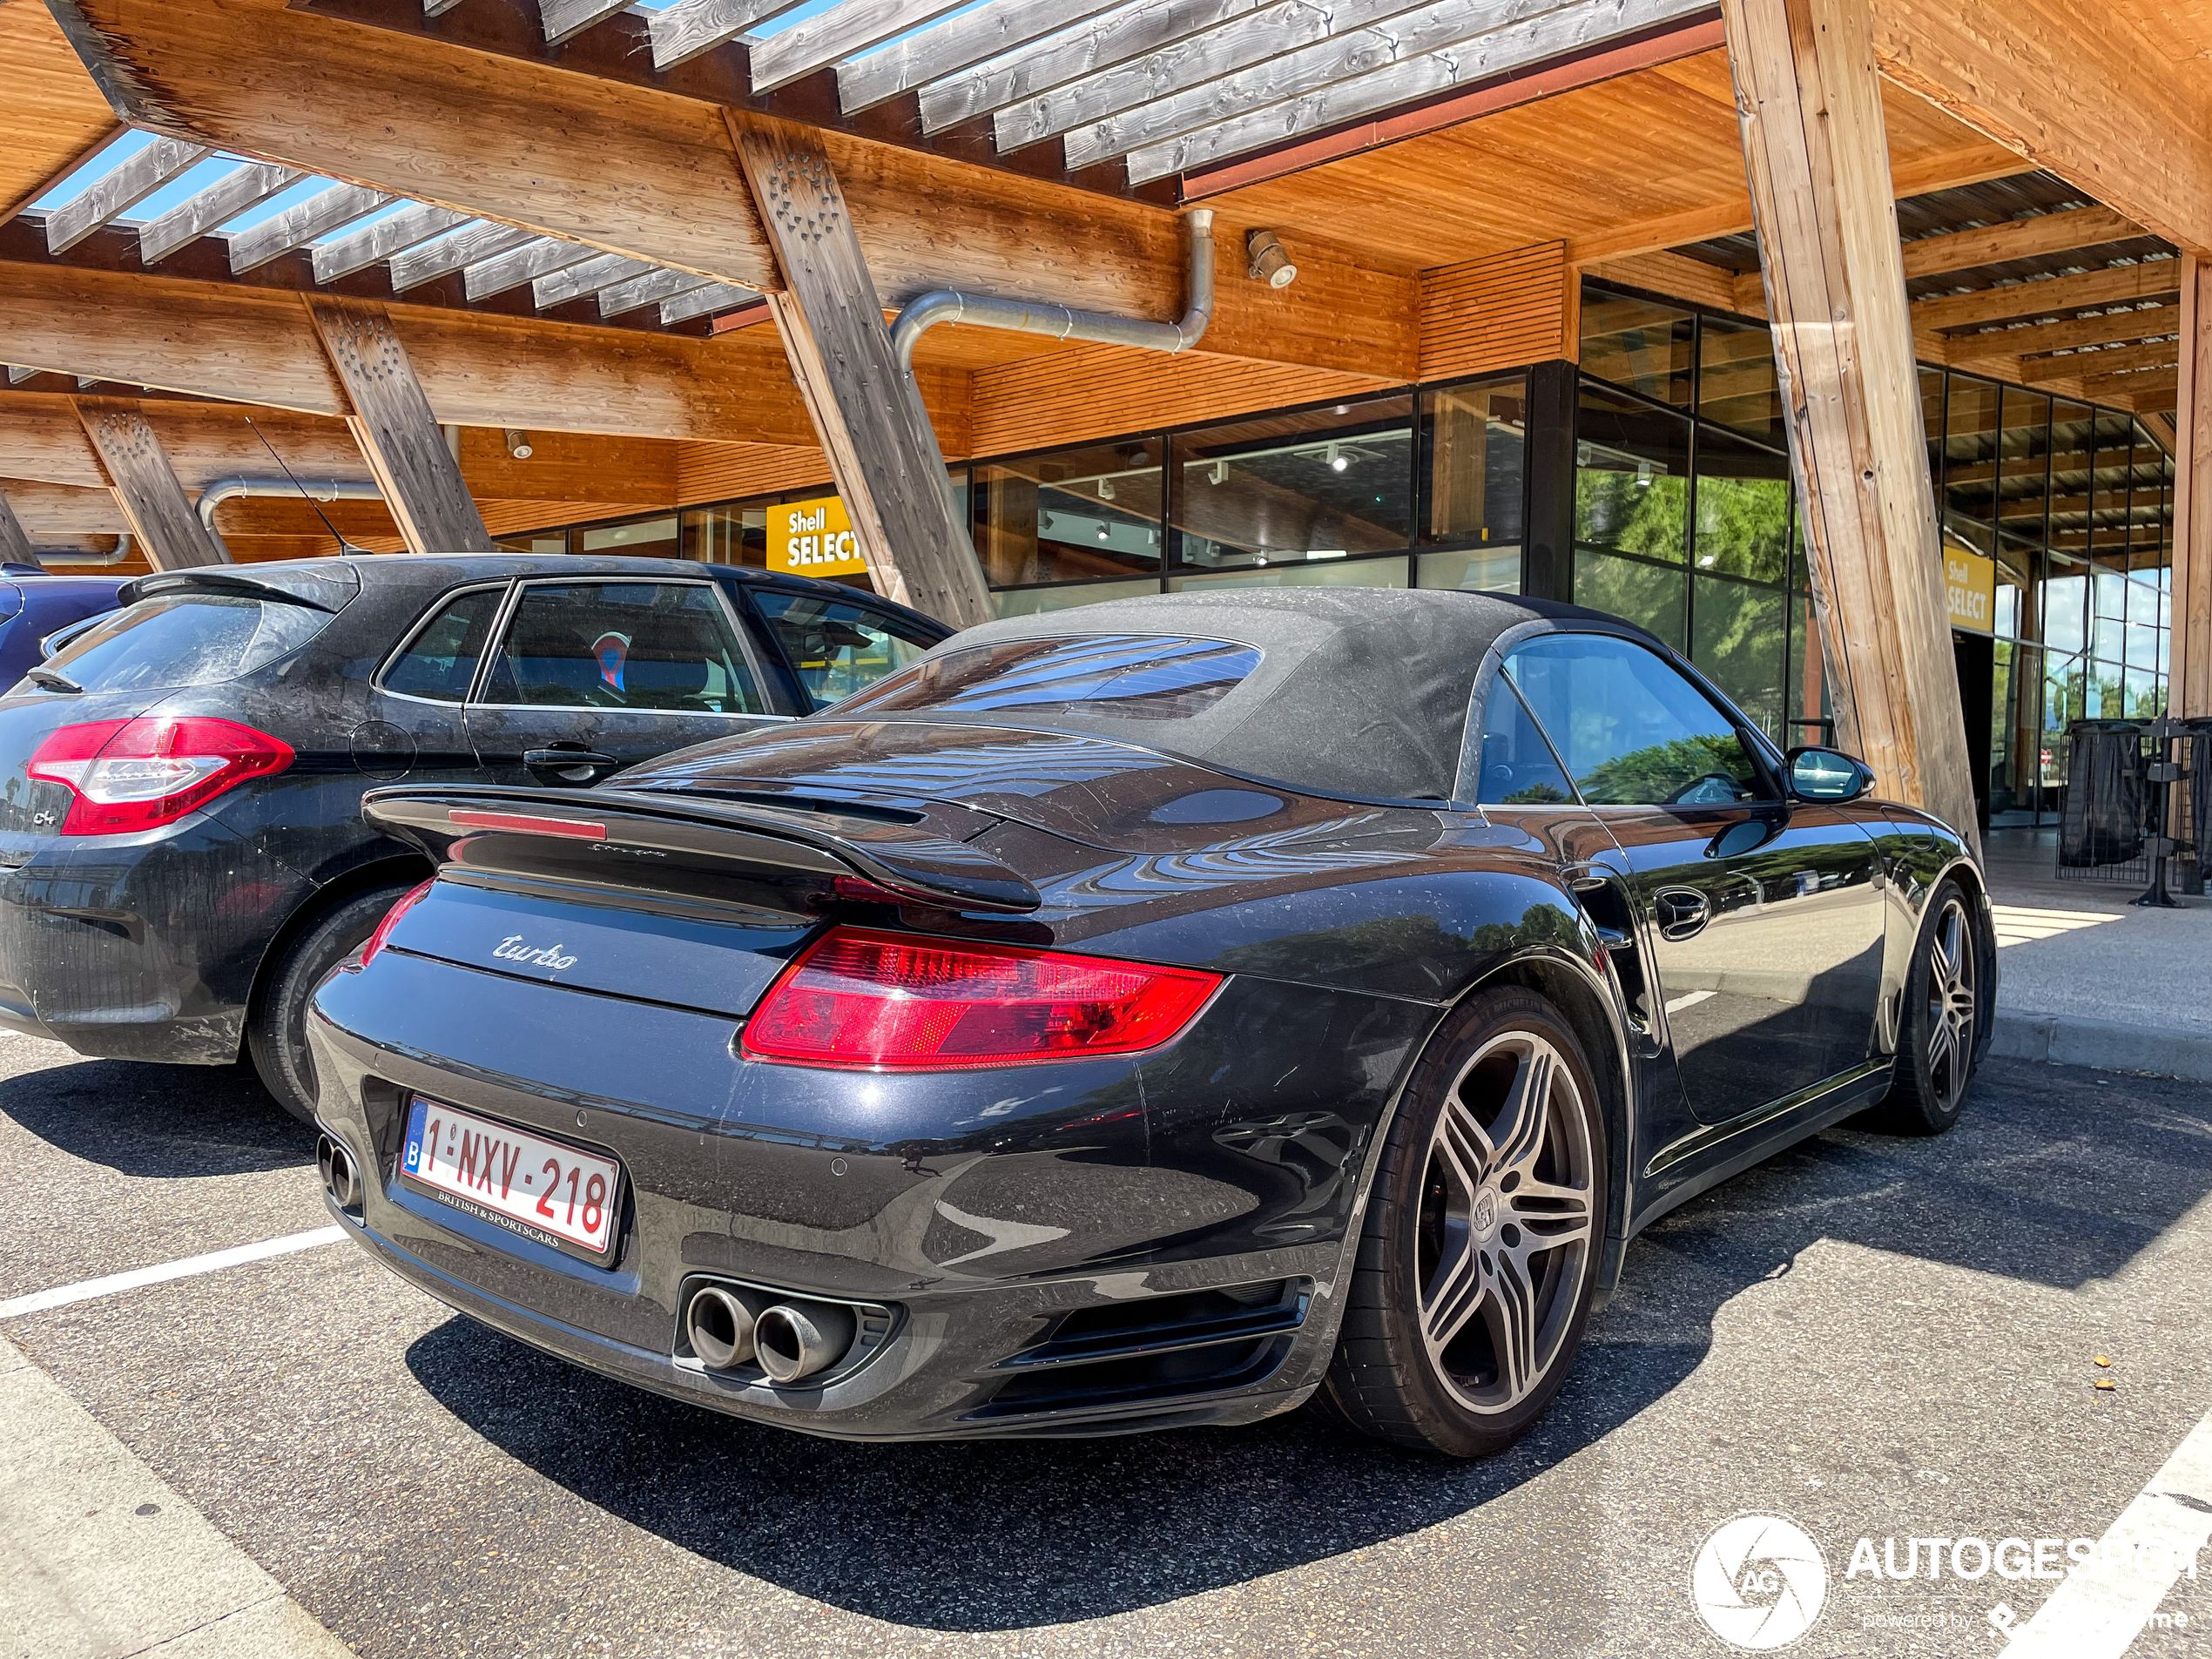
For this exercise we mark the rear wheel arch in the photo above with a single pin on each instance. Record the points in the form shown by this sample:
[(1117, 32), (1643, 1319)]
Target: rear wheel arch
[(397, 867)]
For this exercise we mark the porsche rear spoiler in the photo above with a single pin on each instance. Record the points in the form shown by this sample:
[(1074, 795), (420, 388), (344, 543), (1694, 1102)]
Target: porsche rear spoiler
[(905, 853)]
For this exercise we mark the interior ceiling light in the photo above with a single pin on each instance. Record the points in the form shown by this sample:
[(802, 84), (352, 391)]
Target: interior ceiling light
[(1105, 534), (1219, 473), (1338, 460), (518, 443), (1105, 489), (1268, 263)]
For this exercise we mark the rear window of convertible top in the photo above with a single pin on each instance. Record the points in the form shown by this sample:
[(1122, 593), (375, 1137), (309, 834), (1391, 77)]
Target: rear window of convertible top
[(1131, 676)]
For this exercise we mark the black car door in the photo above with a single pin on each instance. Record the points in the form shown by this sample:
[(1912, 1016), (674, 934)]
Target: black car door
[(1763, 917), (592, 674)]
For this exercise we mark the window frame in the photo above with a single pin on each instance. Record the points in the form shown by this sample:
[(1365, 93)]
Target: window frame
[(795, 683), (746, 649), (436, 608), (1766, 759)]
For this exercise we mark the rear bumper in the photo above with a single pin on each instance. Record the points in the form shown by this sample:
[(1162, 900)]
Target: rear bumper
[(1104, 1198), (139, 947)]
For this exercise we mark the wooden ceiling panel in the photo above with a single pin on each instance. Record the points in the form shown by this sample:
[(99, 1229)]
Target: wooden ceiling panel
[(51, 113), (1586, 167)]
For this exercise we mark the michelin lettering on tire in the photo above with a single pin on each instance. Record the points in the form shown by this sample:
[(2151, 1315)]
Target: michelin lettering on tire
[(1759, 1582)]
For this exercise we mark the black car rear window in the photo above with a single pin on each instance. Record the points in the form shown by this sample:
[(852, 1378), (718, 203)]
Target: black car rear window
[(1133, 677), (185, 639)]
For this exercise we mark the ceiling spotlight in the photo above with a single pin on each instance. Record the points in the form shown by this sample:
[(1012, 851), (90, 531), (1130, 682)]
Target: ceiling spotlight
[(518, 443), (1268, 263), (1219, 473), (1338, 460), (1105, 489), (1105, 534)]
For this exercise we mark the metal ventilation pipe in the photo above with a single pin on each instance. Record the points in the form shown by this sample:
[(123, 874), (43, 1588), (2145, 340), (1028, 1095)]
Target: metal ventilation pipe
[(246, 484), (1058, 322), (122, 551)]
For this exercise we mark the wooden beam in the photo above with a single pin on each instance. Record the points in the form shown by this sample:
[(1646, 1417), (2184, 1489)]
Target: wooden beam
[(2189, 693), (873, 425), (257, 346), (301, 224), (2111, 285), (200, 212), (650, 174), (48, 513), (2075, 88), (846, 29), (681, 32), (160, 514), (2017, 238), (2005, 345), (1817, 154), (42, 439), (373, 244), (392, 419), (15, 545), (956, 44)]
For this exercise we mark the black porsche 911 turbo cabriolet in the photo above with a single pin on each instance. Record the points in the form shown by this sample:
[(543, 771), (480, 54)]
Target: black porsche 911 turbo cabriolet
[(1167, 1012)]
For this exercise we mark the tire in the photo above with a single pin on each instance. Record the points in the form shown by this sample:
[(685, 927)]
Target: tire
[(1458, 1234), (1936, 1038), (276, 1029)]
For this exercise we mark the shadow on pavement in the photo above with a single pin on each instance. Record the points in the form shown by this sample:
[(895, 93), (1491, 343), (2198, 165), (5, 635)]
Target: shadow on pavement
[(161, 1122), (2056, 1175)]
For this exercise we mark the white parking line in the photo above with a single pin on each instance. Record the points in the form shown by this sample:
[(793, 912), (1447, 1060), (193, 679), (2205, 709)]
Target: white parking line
[(1689, 1000), (2098, 1617), (85, 1290)]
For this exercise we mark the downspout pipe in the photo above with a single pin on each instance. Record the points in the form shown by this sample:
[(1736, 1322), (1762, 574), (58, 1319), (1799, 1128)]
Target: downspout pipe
[(1058, 322), (123, 549), (246, 484)]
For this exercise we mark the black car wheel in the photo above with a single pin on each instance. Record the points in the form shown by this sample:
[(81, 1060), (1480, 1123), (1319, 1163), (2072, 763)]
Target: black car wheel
[(1480, 1246), (276, 1029), (1936, 1039)]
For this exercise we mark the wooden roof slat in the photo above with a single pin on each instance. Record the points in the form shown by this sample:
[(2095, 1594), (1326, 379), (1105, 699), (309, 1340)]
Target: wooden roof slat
[(118, 189), (849, 27), (954, 45), (438, 8), (1154, 96), (373, 244), (684, 30), (1125, 32), (2109, 285), (581, 282), (229, 196), (1449, 54), (2017, 238), (300, 224), (453, 251), (563, 18), (715, 296), (541, 256), (2000, 345), (649, 289), (18, 373)]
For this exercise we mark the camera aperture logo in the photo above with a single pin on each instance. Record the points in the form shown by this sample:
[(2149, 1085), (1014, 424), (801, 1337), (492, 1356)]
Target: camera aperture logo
[(1759, 1582)]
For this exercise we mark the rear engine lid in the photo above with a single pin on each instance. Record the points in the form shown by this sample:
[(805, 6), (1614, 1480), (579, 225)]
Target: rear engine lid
[(1095, 791)]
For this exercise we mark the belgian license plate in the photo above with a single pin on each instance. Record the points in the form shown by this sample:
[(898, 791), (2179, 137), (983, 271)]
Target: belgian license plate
[(520, 1179)]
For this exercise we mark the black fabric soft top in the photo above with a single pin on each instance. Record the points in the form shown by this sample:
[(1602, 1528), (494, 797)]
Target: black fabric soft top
[(1359, 691)]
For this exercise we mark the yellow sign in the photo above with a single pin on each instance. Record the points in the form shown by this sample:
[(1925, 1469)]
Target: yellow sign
[(1970, 589), (813, 538)]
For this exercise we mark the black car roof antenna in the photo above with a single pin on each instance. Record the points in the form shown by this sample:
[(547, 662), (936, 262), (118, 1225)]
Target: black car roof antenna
[(346, 549)]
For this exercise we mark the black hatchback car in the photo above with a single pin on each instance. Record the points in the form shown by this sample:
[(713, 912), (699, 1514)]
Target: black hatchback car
[(1149, 1015), (182, 853)]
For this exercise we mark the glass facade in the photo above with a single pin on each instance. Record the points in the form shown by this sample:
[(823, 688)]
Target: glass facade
[(1684, 522)]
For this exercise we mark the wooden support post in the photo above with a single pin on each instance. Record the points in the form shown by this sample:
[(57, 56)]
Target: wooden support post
[(400, 436), (881, 449), (154, 503), (15, 545), (1809, 103), (2189, 693)]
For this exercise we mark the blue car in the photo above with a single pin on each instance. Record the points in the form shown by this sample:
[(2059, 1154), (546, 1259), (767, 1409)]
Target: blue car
[(34, 605)]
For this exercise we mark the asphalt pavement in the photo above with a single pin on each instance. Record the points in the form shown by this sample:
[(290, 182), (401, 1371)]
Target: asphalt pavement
[(1874, 1338)]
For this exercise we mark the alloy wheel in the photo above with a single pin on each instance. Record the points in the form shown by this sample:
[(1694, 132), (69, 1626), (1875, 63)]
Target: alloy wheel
[(1504, 1240), (1951, 1004)]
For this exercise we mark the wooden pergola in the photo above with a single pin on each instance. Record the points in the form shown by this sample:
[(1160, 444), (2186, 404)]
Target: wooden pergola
[(1442, 172)]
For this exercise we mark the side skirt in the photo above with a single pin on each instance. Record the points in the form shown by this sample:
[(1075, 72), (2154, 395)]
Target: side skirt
[(1707, 1157)]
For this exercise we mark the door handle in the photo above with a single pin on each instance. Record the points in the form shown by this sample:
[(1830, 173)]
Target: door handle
[(1681, 912), (566, 759)]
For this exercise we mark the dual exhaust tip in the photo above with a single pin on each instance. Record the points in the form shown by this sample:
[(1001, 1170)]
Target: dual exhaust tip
[(340, 1179), (789, 1340)]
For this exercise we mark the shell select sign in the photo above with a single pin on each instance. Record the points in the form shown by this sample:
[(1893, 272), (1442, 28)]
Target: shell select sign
[(813, 538), (1970, 589)]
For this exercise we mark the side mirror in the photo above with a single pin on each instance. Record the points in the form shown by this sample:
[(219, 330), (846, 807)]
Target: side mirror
[(1827, 775)]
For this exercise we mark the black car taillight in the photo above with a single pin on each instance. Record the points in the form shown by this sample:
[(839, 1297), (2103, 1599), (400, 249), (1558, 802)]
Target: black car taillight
[(141, 773), (883, 1002)]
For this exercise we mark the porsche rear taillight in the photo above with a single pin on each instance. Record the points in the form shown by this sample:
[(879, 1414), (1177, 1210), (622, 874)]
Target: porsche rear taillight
[(407, 900), (880, 1002), (139, 774)]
